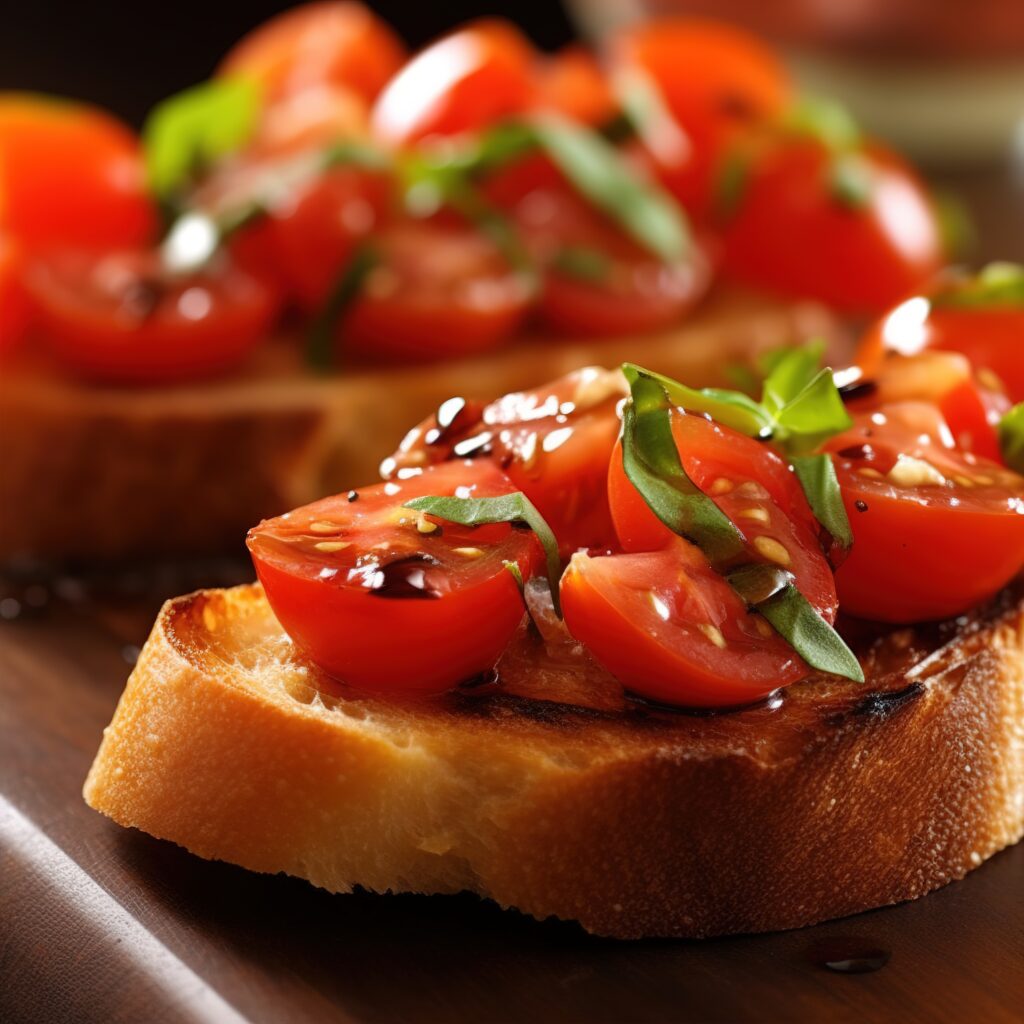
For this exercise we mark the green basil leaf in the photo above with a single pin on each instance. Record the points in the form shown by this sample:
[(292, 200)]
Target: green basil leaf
[(817, 476), (957, 230), (599, 172), (851, 180), (507, 508), (189, 131), (582, 262), (1011, 437), (320, 340), (814, 415), (825, 121), (787, 371), (651, 463), (731, 184), (998, 284), (795, 620), (731, 408)]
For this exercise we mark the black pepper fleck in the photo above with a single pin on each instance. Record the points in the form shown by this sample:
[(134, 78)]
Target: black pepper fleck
[(353, 495), (862, 506)]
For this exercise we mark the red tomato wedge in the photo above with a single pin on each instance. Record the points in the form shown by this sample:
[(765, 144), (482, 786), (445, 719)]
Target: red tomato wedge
[(990, 336), (462, 83), (318, 44), (669, 628), (119, 318), (794, 231), (935, 530), (387, 599), (553, 443), (70, 175), (716, 81), (14, 307), (435, 292), (752, 486)]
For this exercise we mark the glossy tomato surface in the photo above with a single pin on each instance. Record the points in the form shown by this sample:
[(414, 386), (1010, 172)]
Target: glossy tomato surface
[(334, 42), (669, 628), (796, 231), (991, 336), (935, 530), (120, 318), (716, 82), (435, 292), (464, 82), (70, 175), (752, 486), (387, 599)]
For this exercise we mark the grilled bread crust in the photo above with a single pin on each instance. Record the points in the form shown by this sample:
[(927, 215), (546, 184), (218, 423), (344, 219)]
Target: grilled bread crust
[(633, 820), (99, 473)]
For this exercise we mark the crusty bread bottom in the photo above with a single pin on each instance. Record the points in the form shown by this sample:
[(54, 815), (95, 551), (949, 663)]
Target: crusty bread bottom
[(634, 821), (99, 473)]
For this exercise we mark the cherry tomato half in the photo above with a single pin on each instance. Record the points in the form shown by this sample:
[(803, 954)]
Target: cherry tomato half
[(327, 43), (990, 334), (387, 599), (462, 83), (797, 230), (436, 292), (120, 318), (935, 531), (14, 307), (553, 443), (70, 175), (716, 81), (669, 628)]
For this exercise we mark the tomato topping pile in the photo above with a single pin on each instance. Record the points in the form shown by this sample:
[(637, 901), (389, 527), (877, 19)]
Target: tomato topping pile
[(705, 548), (415, 206)]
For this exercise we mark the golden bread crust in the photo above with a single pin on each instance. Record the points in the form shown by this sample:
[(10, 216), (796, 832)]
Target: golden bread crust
[(635, 822), (94, 473)]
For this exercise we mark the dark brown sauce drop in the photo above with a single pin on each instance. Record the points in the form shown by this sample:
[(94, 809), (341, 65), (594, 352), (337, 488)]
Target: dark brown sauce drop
[(857, 389), (405, 578), (846, 954), (857, 451)]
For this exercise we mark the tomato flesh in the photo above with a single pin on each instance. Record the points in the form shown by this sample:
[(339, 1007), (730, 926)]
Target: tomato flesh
[(382, 605), (669, 628), (70, 175), (935, 530), (119, 318), (14, 307)]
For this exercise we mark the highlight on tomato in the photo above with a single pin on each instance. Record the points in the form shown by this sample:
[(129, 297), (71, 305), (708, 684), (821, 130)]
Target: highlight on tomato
[(70, 174), (979, 315), (935, 530), (434, 291), (332, 43), (350, 575), (854, 229), (123, 318), (464, 82), (714, 80)]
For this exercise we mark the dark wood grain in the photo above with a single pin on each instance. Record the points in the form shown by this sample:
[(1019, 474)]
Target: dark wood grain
[(102, 924)]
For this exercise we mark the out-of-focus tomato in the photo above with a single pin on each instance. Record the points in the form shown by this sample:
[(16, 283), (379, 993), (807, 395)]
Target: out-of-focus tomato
[(327, 43), (573, 83), (121, 318), (716, 81), (855, 230), (14, 309), (462, 83), (70, 175)]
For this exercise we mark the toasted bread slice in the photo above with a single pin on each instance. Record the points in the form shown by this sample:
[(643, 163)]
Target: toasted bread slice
[(634, 821), (93, 473)]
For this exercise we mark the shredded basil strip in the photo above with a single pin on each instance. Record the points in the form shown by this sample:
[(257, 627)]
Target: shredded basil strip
[(582, 262), (651, 463), (187, 132), (817, 476), (1011, 437), (507, 508), (998, 284), (320, 340)]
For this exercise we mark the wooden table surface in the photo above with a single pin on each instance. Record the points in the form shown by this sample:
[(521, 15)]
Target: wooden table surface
[(101, 924)]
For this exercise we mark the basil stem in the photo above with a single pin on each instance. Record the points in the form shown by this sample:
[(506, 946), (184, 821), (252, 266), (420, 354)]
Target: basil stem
[(506, 508), (320, 340)]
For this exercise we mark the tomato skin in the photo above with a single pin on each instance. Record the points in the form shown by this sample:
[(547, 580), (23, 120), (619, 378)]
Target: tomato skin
[(14, 305), (316, 44), (671, 629), (990, 337), (716, 81), (923, 552), (437, 292), (116, 319), (70, 174), (323, 602), (464, 82), (790, 233), (572, 83)]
